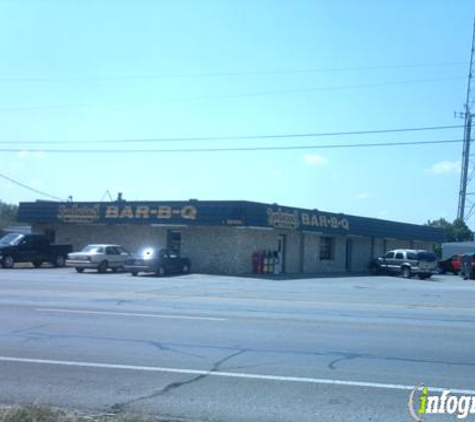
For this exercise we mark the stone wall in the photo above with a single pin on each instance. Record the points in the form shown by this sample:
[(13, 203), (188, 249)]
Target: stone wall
[(228, 250), (360, 253), (213, 250), (132, 237)]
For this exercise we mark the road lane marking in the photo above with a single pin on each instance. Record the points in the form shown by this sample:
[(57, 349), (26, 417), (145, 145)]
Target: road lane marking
[(128, 314), (229, 374)]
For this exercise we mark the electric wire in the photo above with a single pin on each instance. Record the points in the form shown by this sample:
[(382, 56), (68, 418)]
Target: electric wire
[(16, 182), (229, 96), (243, 137), (231, 149), (227, 74)]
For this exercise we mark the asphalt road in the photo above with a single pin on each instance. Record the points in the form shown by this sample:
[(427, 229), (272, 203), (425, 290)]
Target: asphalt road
[(212, 348)]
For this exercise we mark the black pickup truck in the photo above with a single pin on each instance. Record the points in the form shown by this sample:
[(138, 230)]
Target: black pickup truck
[(34, 248)]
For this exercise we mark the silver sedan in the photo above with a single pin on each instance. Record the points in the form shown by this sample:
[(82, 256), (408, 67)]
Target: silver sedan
[(98, 257)]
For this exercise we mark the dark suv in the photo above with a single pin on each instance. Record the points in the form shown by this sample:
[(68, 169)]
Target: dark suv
[(406, 262)]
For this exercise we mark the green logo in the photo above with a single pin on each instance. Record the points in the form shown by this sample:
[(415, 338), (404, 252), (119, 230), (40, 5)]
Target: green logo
[(421, 402)]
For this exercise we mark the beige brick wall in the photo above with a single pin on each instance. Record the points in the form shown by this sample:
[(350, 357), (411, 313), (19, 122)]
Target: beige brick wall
[(228, 250), (378, 247), (312, 262), (397, 244), (131, 237), (212, 249), (423, 245), (360, 253), (256, 239)]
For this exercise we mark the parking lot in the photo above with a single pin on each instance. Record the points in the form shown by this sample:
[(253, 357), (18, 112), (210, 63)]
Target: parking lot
[(204, 347)]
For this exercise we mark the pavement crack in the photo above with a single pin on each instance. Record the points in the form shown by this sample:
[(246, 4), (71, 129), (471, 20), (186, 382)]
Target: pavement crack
[(333, 363), (28, 329), (119, 407), (164, 348)]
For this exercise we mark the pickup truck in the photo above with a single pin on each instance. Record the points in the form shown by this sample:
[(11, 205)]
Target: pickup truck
[(34, 248), (158, 261)]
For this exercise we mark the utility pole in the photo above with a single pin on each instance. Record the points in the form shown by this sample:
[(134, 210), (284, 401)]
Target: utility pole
[(465, 163), (467, 140)]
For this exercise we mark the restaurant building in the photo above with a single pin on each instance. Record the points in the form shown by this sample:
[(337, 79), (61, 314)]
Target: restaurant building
[(231, 237)]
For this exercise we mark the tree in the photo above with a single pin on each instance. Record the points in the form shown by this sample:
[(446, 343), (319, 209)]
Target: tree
[(457, 231), (7, 214)]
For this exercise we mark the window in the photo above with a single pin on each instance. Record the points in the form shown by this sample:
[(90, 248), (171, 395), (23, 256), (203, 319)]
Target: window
[(327, 248), (426, 256), (389, 255), (121, 250), (399, 255), (110, 250)]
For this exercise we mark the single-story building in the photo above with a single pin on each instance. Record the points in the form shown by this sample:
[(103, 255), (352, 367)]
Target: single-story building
[(231, 237)]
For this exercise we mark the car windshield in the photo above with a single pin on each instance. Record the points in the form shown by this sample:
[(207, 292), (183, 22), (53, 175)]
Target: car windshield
[(11, 239)]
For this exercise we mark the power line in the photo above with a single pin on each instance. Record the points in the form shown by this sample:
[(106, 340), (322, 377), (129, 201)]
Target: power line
[(235, 138), (230, 74), (231, 96), (233, 149), (29, 187)]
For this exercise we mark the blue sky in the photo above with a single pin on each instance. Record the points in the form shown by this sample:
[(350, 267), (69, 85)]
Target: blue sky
[(81, 72)]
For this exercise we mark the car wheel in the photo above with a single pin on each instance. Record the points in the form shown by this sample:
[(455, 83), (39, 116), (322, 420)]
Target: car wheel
[(185, 269), (103, 266), (8, 262), (37, 264), (134, 273), (79, 270), (406, 272), (424, 276), (59, 261), (160, 271)]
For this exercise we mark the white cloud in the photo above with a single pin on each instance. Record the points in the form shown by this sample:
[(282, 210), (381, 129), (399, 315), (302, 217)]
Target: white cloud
[(362, 196), (314, 160), (445, 167)]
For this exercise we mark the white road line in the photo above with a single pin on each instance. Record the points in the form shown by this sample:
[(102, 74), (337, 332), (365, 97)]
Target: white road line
[(229, 374), (128, 314)]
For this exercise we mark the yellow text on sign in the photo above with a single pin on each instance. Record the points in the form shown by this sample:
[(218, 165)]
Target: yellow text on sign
[(187, 212)]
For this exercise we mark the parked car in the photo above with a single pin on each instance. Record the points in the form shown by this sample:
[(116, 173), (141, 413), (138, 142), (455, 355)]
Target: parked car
[(34, 248), (451, 265), (406, 262), (99, 257), (158, 261)]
